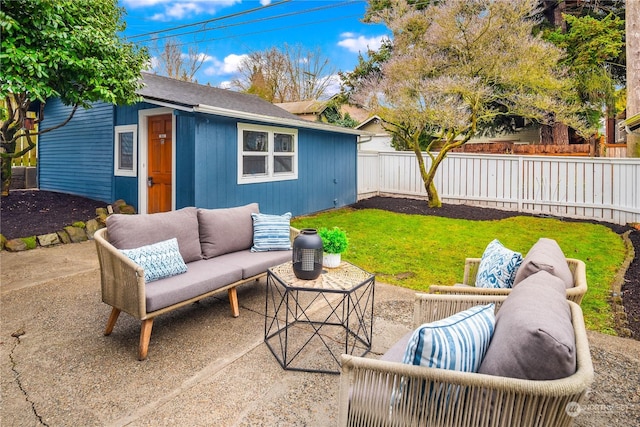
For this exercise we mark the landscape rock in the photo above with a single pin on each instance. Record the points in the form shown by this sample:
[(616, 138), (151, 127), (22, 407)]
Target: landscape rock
[(3, 242), (64, 237), (76, 234), (117, 205), (92, 226), (127, 209), (16, 245), (48, 239)]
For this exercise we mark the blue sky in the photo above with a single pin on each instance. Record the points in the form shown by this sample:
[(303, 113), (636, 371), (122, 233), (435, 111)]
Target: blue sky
[(333, 26)]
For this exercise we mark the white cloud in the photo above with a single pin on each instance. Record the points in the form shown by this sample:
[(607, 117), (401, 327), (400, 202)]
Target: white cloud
[(265, 2), (225, 85), (179, 9), (333, 85), (228, 65), (360, 43)]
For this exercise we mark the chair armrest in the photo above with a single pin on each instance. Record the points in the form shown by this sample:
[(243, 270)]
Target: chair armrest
[(122, 280), (471, 266), (293, 233), (431, 307), (579, 289)]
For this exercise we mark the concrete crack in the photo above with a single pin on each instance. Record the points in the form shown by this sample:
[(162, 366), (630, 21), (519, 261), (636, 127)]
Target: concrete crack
[(17, 334)]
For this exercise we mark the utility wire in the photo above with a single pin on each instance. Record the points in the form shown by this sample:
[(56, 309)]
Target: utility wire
[(232, 15), (254, 21)]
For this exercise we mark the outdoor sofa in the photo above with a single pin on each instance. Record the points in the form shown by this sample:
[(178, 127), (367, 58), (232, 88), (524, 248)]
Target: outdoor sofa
[(544, 255), (387, 392), (219, 249)]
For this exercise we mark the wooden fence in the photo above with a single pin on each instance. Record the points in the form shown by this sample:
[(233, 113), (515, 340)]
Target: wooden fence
[(28, 159), (601, 189)]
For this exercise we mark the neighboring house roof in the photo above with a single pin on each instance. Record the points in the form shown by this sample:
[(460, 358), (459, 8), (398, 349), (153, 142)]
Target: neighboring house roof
[(311, 106), (195, 97)]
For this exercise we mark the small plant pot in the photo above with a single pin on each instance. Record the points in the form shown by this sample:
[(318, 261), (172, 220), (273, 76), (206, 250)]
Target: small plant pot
[(331, 260)]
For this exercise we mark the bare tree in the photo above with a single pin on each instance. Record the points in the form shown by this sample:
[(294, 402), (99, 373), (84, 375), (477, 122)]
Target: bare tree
[(458, 67), (284, 75), (172, 62)]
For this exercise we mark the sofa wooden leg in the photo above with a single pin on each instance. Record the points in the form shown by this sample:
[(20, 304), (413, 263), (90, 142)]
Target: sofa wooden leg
[(233, 300), (113, 317), (145, 336)]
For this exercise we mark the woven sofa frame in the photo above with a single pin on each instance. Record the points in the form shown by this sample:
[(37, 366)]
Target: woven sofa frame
[(471, 265), (466, 399), (123, 288)]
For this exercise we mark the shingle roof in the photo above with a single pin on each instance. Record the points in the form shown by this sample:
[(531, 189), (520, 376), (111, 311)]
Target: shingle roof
[(192, 94), (304, 107)]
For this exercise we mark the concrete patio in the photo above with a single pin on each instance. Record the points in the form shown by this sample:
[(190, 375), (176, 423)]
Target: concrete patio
[(205, 368)]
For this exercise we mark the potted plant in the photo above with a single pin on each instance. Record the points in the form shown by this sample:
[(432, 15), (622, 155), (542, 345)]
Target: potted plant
[(334, 243)]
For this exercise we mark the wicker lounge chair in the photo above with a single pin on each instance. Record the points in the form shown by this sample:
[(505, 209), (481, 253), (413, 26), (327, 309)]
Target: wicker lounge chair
[(367, 386), (575, 294)]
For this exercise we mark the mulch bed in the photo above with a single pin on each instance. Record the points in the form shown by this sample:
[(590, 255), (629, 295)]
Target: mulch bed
[(32, 212)]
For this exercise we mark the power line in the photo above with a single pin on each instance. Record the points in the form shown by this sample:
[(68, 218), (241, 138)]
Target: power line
[(254, 21), (232, 15)]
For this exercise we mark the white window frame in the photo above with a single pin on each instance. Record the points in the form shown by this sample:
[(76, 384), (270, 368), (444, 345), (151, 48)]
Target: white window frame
[(116, 152), (270, 175)]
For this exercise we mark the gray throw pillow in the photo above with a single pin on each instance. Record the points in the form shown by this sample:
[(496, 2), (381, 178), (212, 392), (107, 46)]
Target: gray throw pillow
[(545, 255), (534, 337), (223, 231), (134, 231)]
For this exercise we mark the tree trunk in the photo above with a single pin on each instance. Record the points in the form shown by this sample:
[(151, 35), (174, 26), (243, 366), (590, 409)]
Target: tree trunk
[(6, 175), (632, 23), (560, 134)]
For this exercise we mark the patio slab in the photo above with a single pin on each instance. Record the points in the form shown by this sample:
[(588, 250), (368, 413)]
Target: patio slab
[(204, 367)]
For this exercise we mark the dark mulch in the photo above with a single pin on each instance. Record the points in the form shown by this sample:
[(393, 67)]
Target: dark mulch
[(27, 213), (31, 212)]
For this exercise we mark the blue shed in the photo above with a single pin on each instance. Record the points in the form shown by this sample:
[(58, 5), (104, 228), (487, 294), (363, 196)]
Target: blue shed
[(187, 144)]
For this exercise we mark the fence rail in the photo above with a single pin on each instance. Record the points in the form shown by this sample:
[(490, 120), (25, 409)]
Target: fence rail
[(602, 189)]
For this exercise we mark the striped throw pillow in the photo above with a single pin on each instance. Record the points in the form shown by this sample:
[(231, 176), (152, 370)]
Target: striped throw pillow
[(271, 232), (159, 260), (458, 342)]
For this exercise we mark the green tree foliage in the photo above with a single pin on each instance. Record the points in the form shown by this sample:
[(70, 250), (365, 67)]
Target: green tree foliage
[(591, 46), (68, 49), (457, 68)]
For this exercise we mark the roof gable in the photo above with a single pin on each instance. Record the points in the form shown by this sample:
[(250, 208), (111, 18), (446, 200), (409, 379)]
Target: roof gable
[(190, 94)]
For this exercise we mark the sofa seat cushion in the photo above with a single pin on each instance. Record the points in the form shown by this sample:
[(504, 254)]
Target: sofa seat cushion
[(201, 277), (534, 337), (253, 263), (396, 352), (134, 231), (545, 255), (226, 230)]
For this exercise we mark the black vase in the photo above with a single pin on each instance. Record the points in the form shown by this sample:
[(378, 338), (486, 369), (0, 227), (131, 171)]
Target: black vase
[(307, 254)]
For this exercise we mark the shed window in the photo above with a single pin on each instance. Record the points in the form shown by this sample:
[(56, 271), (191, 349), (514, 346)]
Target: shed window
[(266, 153), (126, 150)]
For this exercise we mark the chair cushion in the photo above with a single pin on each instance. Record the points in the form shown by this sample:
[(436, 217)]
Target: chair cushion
[(134, 231), (226, 230), (271, 232), (534, 337), (159, 260), (498, 266), (545, 255), (458, 342)]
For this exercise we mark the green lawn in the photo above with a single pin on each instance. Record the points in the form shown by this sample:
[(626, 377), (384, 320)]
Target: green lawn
[(416, 251)]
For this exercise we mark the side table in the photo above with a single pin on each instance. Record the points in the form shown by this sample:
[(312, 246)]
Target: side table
[(310, 323)]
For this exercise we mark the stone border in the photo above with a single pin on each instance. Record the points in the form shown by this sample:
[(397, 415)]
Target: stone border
[(78, 232)]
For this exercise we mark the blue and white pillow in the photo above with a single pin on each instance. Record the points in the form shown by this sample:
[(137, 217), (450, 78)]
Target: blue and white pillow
[(458, 342), (271, 232), (159, 260), (498, 266)]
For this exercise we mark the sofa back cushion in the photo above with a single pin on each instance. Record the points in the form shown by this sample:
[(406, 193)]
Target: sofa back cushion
[(534, 338), (545, 255), (223, 231), (134, 231)]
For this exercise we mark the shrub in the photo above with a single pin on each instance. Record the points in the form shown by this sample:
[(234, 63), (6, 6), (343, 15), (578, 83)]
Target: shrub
[(334, 240)]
